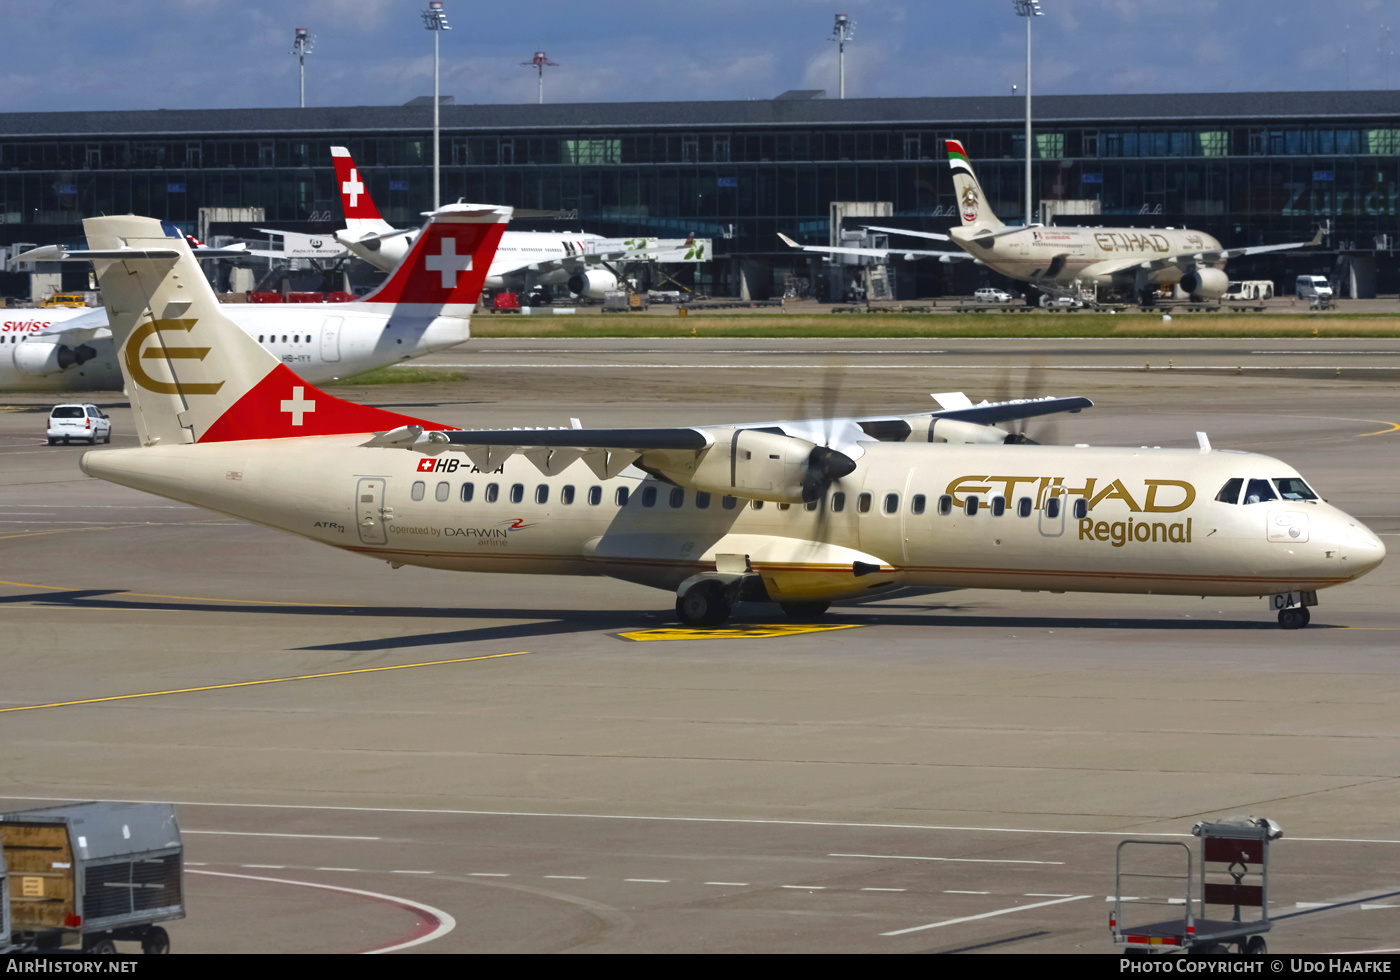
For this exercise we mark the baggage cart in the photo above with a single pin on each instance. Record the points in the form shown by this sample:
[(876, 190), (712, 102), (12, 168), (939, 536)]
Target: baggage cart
[(92, 874), (1234, 872)]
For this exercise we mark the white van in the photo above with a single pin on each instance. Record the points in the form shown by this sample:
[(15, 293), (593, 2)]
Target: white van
[(1316, 290)]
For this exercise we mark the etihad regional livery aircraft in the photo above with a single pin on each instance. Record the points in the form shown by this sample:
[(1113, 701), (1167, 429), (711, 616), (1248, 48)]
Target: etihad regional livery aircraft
[(525, 258), (800, 513), (1067, 261), (424, 307)]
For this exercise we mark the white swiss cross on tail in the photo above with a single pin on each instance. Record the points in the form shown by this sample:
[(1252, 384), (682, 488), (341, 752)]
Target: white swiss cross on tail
[(448, 262), (353, 187), (298, 405)]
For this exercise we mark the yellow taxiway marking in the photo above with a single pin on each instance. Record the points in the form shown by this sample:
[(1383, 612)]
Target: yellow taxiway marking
[(732, 632), (1394, 427), (270, 680), (188, 598)]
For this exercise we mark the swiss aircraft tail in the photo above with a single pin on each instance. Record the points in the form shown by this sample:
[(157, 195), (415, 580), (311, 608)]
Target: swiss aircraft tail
[(446, 267), (361, 216), (191, 373), (972, 203)]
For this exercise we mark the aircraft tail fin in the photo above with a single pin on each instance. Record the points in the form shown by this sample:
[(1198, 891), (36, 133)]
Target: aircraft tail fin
[(446, 266), (972, 203), (361, 216), (192, 374)]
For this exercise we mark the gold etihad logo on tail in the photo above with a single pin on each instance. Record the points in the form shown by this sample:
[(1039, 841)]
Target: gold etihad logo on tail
[(1152, 497), (159, 350)]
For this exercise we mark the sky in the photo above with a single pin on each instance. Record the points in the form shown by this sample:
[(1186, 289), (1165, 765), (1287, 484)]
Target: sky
[(192, 54)]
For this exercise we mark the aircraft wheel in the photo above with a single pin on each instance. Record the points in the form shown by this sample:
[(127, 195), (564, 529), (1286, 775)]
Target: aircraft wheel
[(804, 610), (704, 604), (156, 941), (1293, 618), (1255, 946)]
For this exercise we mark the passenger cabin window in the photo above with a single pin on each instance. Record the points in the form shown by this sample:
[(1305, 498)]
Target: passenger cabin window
[(891, 503), (649, 497), (945, 505), (784, 506), (595, 496), (1230, 492), (838, 502), (756, 504), (492, 491), (517, 492), (1052, 508), (621, 496), (998, 506), (1258, 492), (810, 505), (863, 503), (916, 505), (970, 508), (419, 488), (566, 494), (702, 500), (728, 502), (1293, 488), (467, 490), (1023, 507), (542, 493), (677, 496), (1081, 509), (443, 491)]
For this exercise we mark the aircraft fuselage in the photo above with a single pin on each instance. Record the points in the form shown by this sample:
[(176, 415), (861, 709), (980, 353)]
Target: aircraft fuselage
[(1059, 256)]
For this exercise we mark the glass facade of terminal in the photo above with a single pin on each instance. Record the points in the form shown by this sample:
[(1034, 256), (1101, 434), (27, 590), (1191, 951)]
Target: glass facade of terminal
[(1245, 184)]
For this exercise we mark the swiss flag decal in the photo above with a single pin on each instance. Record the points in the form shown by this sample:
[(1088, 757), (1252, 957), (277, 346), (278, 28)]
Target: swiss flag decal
[(446, 266)]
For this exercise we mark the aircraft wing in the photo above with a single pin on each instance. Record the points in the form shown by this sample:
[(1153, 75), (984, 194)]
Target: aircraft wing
[(883, 253), (1202, 257), (61, 253), (81, 329), (937, 236)]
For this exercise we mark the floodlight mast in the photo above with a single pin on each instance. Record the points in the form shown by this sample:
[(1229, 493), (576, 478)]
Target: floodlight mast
[(540, 61), (435, 20), (1028, 9), (301, 47), (844, 30)]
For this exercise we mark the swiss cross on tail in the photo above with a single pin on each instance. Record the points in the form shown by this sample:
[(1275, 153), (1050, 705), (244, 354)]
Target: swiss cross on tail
[(448, 262), (353, 194)]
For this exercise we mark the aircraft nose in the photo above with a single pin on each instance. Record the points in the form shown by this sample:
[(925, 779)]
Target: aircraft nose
[(1359, 547)]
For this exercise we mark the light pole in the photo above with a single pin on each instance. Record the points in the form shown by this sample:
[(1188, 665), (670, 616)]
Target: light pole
[(301, 47), (844, 30), (540, 61), (1028, 9), (435, 20)]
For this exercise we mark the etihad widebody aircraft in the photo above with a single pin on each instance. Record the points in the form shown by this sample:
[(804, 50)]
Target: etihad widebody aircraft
[(1072, 261), (525, 259), (800, 513), (425, 306)]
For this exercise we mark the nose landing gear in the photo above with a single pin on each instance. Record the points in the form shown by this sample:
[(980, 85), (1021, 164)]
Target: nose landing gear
[(1293, 608), (1294, 617)]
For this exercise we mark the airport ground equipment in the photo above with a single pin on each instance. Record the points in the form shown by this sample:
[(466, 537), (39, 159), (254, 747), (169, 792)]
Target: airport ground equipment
[(1234, 872), (92, 874)]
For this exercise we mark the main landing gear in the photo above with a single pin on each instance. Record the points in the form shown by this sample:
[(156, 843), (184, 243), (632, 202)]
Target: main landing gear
[(709, 598), (1293, 608)]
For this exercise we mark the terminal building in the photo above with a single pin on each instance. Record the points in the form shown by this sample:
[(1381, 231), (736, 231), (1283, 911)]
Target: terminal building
[(1248, 168)]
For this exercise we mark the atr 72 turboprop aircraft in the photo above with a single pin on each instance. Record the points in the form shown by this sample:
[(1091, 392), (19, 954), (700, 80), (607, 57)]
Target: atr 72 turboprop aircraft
[(525, 258), (413, 313), (1065, 261), (800, 513)]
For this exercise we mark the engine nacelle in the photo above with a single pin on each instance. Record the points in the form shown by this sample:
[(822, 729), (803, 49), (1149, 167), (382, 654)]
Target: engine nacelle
[(593, 284), (1208, 283), (968, 433), (754, 464), (38, 358)]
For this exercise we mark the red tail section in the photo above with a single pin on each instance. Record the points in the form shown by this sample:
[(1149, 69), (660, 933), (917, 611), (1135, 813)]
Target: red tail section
[(282, 405), (448, 262), (354, 194)]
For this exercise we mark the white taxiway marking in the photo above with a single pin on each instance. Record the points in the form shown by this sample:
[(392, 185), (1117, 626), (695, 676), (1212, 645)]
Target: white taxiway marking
[(413, 872), (957, 891), (1311, 905), (1381, 906), (884, 889), (445, 922), (908, 857), (985, 915), (805, 888), (486, 874), (650, 881), (730, 884), (265, 867), (335, 869), (568, 877), (248, 833), (1047, 895), (756, 821)]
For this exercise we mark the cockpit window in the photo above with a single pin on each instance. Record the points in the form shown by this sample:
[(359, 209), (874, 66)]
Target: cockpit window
[(1293, 488), (1230, 492), (1259, 491)]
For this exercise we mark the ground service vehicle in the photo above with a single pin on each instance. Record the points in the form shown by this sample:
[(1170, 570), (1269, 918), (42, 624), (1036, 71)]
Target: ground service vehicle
[(69, 422)]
